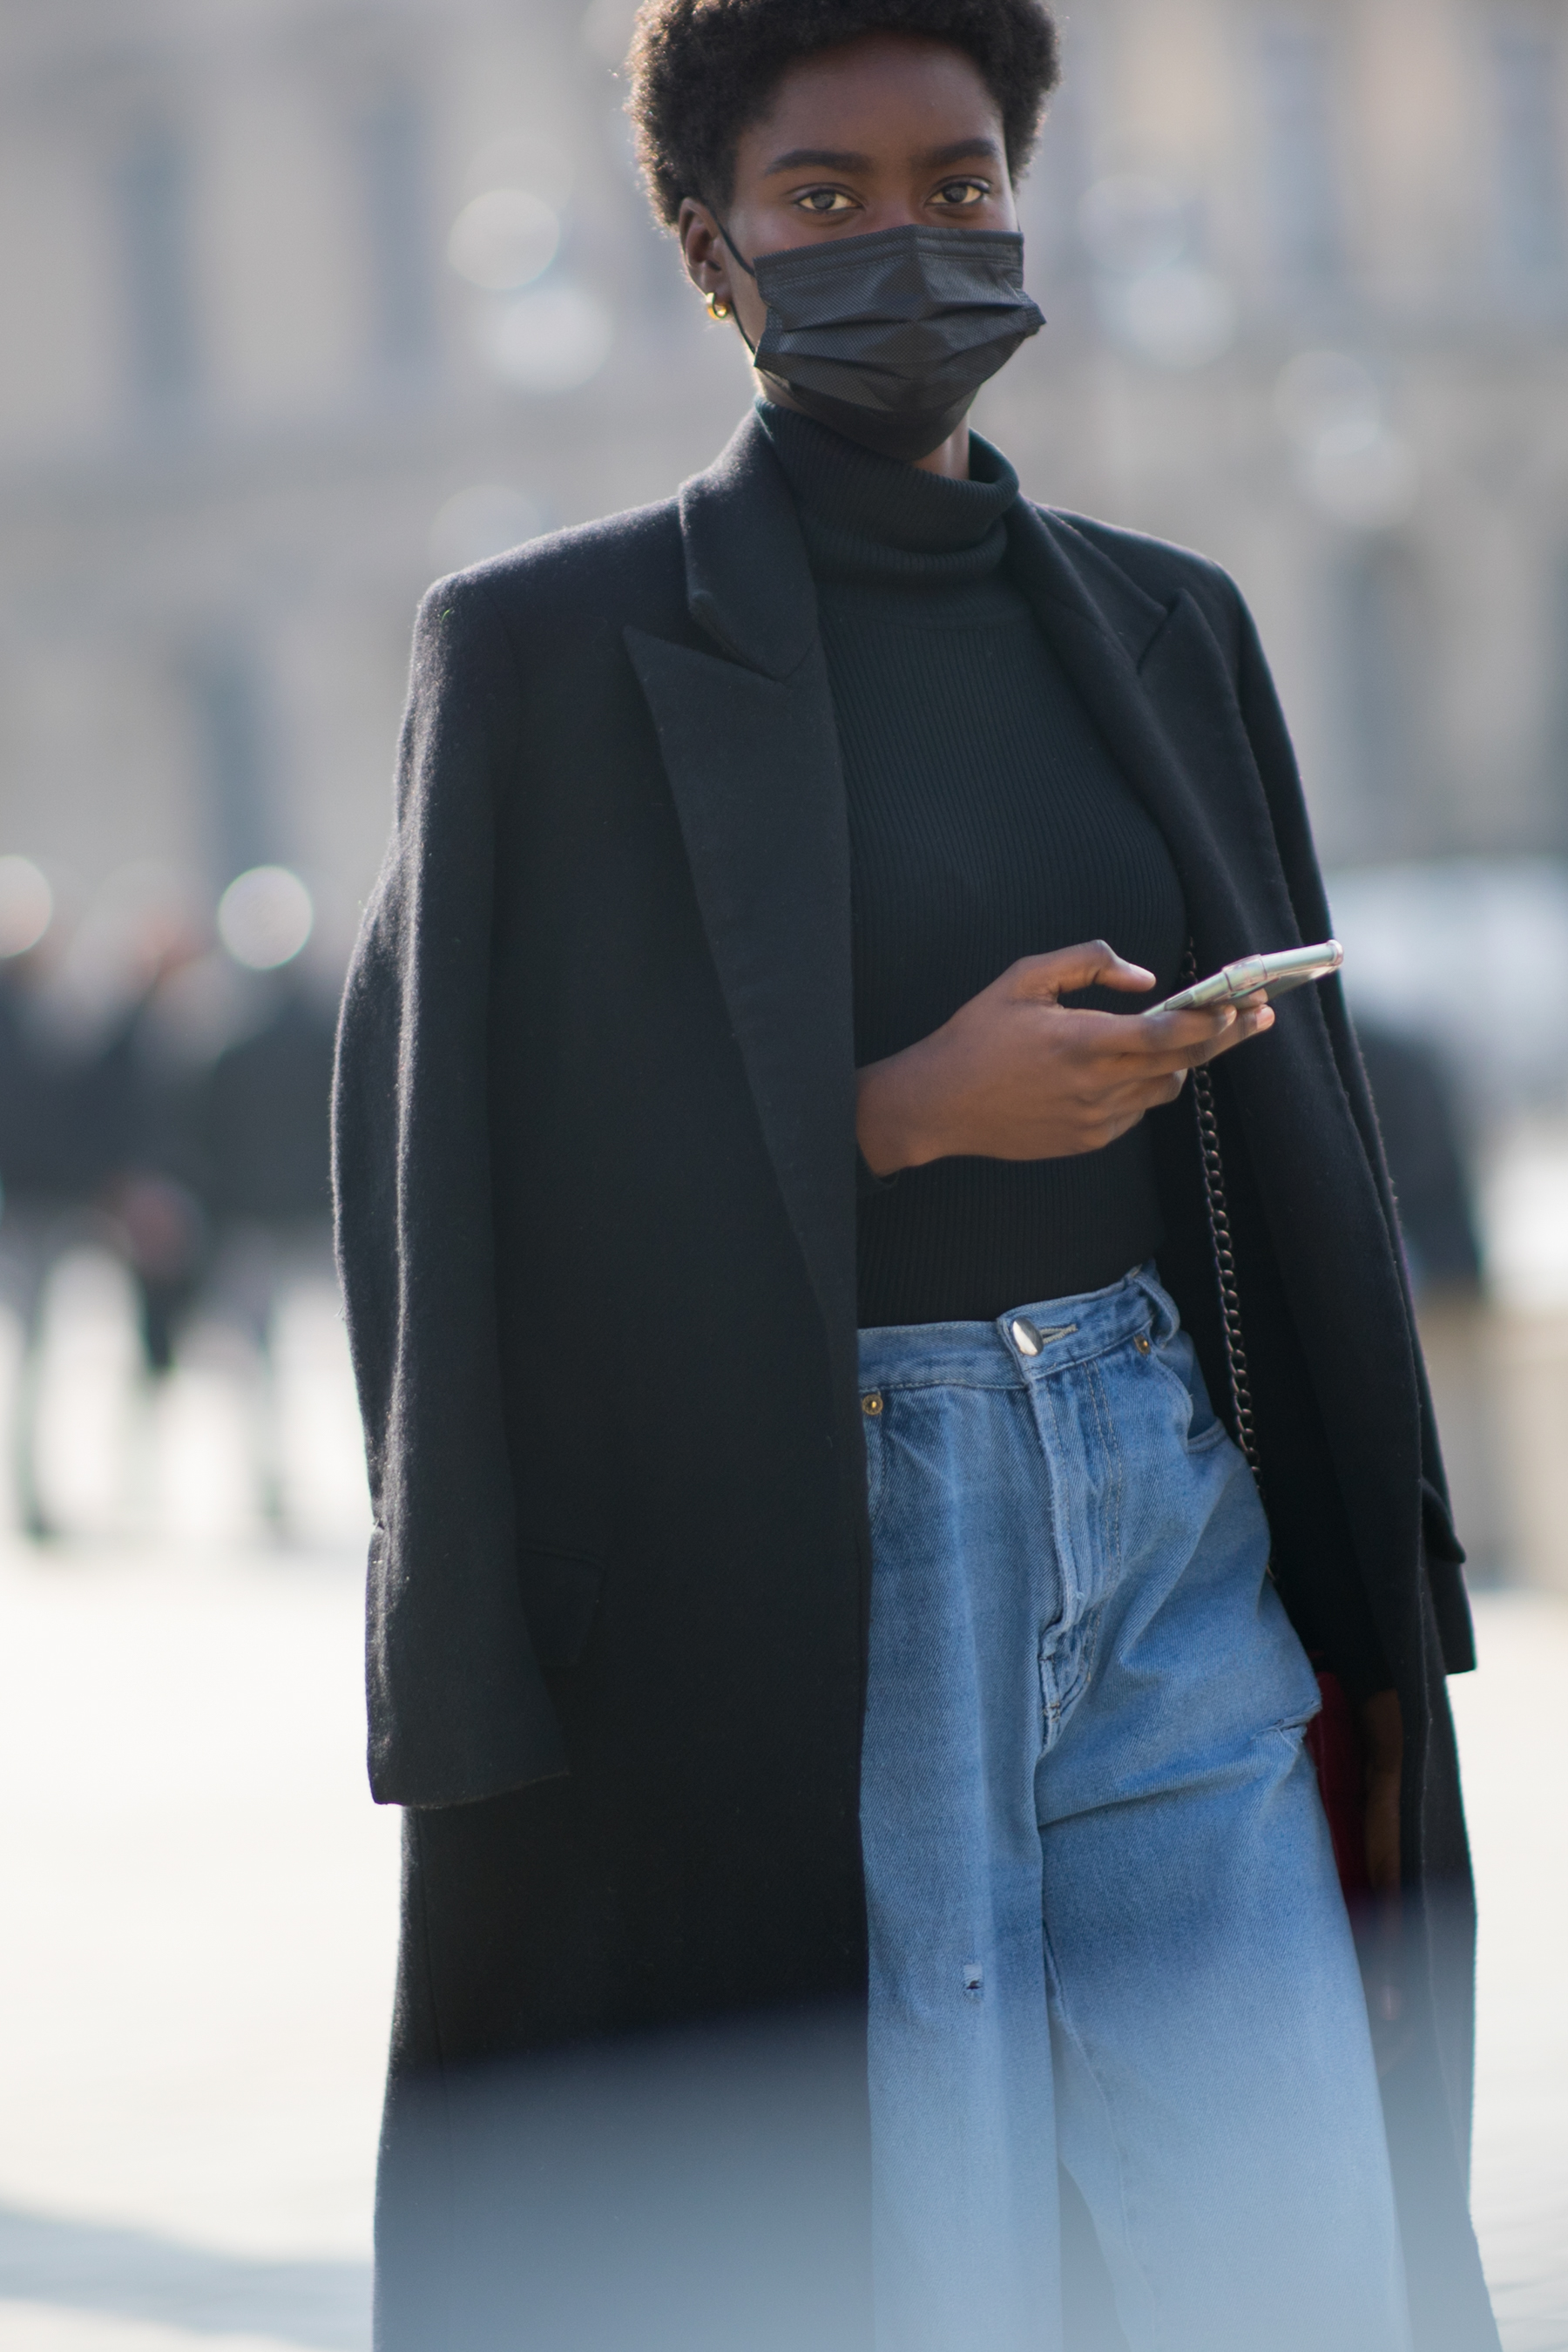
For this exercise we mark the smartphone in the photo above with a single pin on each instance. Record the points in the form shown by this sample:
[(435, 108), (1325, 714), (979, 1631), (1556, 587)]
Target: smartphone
[(1256, 975)]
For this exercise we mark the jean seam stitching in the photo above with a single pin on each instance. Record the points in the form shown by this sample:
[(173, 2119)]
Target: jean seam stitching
[(876, 1478), (914, 1387), (1048, 1471), (1028, 1378), (1105, 1423)]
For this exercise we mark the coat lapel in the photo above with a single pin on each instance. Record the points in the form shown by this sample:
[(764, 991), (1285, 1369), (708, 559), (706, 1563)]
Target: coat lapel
[(751, 749), (1156, 681)]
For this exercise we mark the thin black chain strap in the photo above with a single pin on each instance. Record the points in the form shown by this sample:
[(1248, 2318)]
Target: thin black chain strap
[(1223, 1242)]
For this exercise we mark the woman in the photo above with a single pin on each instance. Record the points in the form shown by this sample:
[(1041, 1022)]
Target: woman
[(806, 1558)]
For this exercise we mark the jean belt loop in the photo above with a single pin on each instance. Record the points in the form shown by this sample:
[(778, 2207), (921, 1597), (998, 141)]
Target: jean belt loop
[(1166, 1320)]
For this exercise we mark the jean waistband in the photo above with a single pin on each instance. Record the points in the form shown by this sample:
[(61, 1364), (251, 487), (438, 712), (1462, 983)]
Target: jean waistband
[(1025, 1343)]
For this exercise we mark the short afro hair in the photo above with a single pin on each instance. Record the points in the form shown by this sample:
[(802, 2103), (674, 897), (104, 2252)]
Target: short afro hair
[(704, 69)]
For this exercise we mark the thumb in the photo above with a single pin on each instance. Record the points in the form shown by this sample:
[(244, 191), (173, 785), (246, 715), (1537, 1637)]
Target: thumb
[(1092, 965)]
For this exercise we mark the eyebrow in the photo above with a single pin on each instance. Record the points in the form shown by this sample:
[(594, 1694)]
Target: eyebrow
[(960, 151), (820, 159), (842, 159)]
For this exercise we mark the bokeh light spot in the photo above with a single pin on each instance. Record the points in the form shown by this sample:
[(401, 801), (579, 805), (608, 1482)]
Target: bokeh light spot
[(550, 341), (503, 239), (264, 917), (1177, 318)]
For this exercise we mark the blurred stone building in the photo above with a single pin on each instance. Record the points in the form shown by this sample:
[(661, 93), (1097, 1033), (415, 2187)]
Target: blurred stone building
[(307, 302), (304, 303), (1312, 266)]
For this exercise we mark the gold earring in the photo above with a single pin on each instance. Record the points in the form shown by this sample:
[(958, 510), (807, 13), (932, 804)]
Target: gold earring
[(716, 310)]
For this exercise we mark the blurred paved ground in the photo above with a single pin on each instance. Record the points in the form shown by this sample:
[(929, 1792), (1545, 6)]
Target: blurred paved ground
[(196, 1920), (1513, 1737), (196, 1915)]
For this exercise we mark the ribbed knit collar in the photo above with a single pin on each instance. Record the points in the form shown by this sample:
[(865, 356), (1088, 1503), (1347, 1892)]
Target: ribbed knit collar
[(873, 520)]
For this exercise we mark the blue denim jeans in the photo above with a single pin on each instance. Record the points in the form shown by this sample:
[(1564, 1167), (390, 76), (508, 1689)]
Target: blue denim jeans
[(1105, 1923)]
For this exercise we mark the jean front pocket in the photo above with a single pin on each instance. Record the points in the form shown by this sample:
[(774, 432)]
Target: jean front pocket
[(1201, 1427)]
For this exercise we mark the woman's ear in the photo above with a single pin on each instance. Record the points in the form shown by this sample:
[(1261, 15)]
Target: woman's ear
[(702, 250)]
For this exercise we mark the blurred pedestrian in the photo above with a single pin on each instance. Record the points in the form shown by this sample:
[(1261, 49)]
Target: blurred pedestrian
[(781, 1613), (50, 1154), (262, 1121), (220, 1198), (145, 1084), (1418, 1118)]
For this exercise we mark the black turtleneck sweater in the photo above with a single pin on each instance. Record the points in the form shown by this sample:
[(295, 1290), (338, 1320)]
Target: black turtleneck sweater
[(987, 821)]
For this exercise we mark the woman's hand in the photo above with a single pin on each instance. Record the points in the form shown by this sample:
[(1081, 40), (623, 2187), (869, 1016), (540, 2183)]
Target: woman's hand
[(1015, 1074)]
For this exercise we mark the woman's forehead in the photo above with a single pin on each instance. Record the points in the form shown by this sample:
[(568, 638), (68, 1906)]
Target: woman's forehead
[(882, 91)]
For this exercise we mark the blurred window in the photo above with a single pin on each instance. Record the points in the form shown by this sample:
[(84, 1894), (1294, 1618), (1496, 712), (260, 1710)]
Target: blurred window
[(1527, 63), (1051, 197), (226, 706), (1382, 628), (153, 206), (1297, 78), (390, 138)]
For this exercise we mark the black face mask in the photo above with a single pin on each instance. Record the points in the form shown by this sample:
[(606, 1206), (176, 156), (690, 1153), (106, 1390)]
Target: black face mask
[(889, 337)]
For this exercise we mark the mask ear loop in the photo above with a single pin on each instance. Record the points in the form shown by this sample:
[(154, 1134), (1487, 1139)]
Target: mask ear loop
[(746, 265)]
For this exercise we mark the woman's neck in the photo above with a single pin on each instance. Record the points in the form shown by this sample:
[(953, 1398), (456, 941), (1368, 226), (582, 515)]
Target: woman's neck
[(950, 457)]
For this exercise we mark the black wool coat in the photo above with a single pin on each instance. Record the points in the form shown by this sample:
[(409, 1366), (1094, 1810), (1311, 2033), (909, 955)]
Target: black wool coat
[(596, 1202)]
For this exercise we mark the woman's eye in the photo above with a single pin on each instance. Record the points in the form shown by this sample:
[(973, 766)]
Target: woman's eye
[(957, 193), (825, 200)]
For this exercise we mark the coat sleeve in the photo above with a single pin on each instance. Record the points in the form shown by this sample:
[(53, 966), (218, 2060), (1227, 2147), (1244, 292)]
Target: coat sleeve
[(1270, 736), (458, 1708)]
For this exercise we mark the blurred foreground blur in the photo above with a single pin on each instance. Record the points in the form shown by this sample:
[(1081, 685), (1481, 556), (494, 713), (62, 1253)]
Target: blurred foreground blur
[(199, 1908)]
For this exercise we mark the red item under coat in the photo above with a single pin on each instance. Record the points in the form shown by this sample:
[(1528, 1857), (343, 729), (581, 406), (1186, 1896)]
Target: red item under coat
[(1335, 1744)]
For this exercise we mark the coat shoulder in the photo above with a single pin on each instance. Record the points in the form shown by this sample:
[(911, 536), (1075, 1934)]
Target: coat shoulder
[(1158, 568), (570, 586)]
